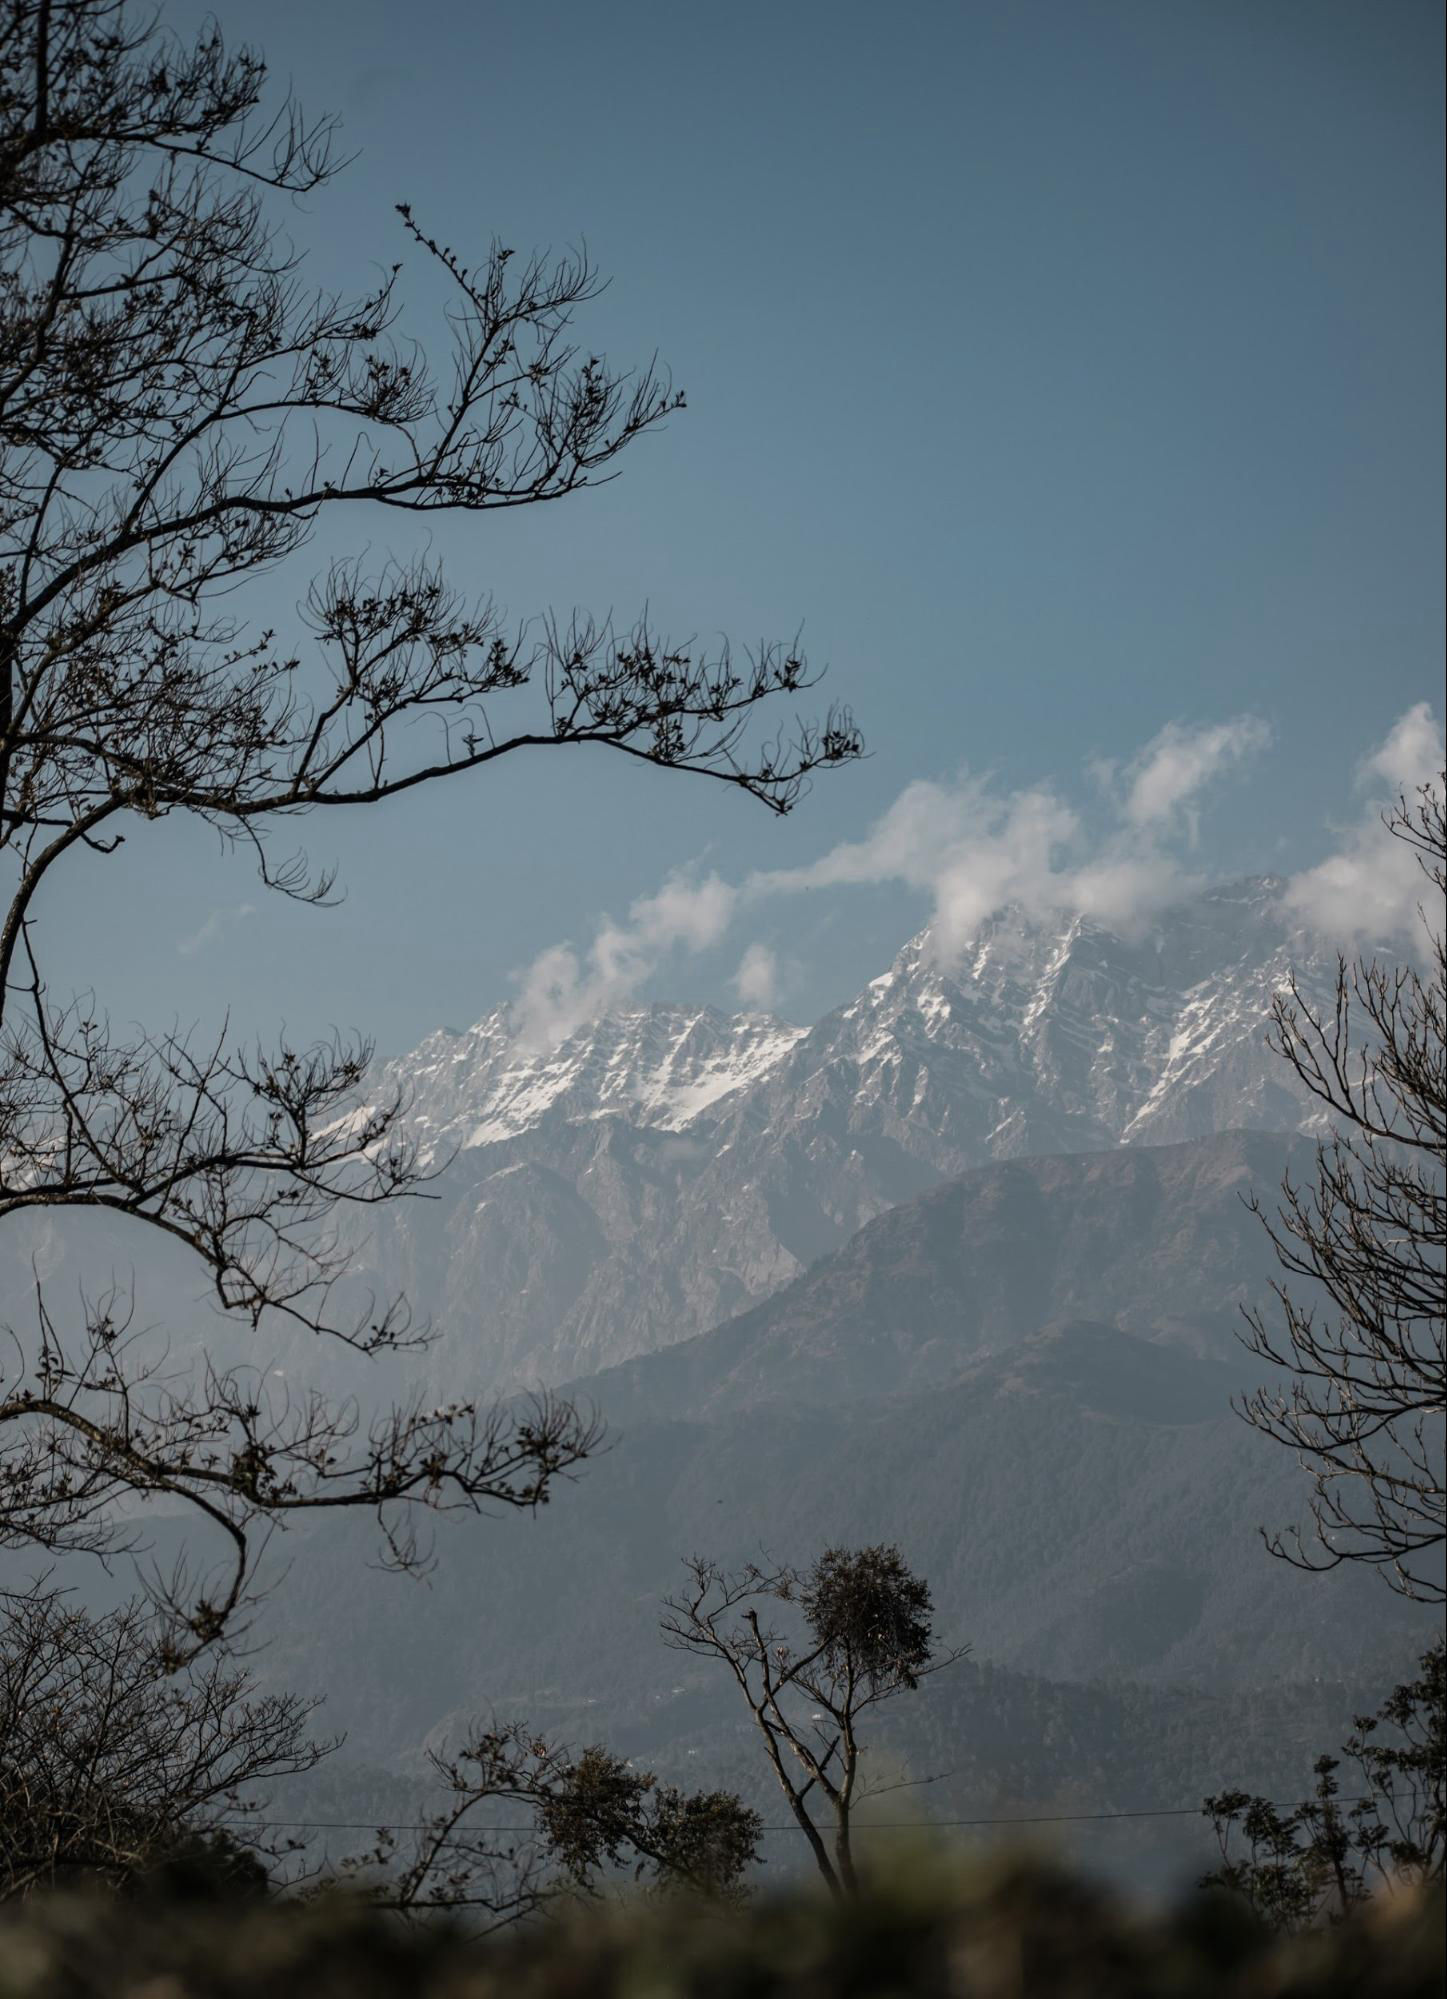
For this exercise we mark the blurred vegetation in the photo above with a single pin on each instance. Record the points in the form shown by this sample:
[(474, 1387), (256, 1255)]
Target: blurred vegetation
[(996, 1932)]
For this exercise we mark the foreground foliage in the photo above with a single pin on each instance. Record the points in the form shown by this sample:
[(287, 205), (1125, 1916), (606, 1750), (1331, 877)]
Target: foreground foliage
[(1006, 1930)]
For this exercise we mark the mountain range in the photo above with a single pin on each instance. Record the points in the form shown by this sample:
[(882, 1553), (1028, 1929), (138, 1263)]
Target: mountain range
[(1154, 1242), (664, 1168), (961, 1267), (1023, 1378)]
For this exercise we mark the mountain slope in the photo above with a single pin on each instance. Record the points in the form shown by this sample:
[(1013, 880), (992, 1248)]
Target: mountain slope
[(1084, 1506), (1156, 1240), (1078, 1492)]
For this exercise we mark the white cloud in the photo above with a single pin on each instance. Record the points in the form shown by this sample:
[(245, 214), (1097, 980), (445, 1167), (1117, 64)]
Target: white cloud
[(561, 990), (969, 847), (1009, 849), (757, 979), (216, 926), (1176, 765), (1411, 755), (973, 848), (1371, 888), (1124, 889)]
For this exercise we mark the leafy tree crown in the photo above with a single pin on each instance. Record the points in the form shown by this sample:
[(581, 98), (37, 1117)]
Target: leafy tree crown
[(870, 1615)]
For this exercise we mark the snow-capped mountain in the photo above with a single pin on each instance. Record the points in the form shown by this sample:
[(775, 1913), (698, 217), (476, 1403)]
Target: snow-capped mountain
[(666, 1167), (1063, 1036), (660, 1066)]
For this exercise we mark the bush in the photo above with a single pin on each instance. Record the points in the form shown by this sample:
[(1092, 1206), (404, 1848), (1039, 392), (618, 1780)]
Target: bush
[(994, 1932)]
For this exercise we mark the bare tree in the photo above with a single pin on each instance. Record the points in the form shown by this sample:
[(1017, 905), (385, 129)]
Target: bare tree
[(1365, 1409), (861, 1635), (590, 1816), (109, 1768), (177, 413)]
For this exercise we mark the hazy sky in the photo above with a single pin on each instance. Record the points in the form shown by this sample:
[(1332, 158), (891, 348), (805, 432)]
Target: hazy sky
[(1071, 372)]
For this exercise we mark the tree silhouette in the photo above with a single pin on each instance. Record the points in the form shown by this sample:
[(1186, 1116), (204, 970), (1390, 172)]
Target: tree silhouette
[(178, 413), (110, 1770), (1365, 1409), (861, 1636), (1329, 1855), (589, 1815)]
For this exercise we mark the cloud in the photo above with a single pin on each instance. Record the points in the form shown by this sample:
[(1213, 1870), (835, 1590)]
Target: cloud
[(969, 847), (1009, 849), (216, 926), (1169, 773), (973, 847), (1410, 756), (1371, 888), (561, 990), (757, 979)]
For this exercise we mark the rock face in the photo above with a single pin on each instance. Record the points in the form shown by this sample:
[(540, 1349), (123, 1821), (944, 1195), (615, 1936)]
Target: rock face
[(659, 1066), (666, 1168)]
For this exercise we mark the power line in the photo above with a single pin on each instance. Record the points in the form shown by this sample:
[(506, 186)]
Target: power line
[(788, 1825)]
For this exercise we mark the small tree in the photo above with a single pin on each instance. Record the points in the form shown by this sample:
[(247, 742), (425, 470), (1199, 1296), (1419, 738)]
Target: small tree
[(1365, 1409), (862, 1634), (602, 1813), (110, 1770), (1325, 1857), (591, 1816), (178, 413)]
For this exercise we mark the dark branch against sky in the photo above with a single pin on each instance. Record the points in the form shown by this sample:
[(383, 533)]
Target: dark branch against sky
[(1066, 372)]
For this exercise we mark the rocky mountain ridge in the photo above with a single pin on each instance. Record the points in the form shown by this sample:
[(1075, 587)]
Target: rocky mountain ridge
[(665, 1168), (658, 1066)]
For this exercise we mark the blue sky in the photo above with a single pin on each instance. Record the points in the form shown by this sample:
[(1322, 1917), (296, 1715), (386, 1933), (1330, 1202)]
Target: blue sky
[(1070, 372)]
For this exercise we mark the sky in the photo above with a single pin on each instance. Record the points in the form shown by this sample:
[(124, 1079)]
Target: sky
[(1070, 373)]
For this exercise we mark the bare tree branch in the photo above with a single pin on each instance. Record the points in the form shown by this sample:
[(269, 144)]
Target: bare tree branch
[(178, 413), (1365, 1408), (109, 1766)]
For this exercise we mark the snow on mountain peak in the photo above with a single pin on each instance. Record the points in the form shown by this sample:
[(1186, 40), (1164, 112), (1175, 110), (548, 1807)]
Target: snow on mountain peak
[(1054, 1031), (656, 1065), (665, 1167), (1048, 1029)]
